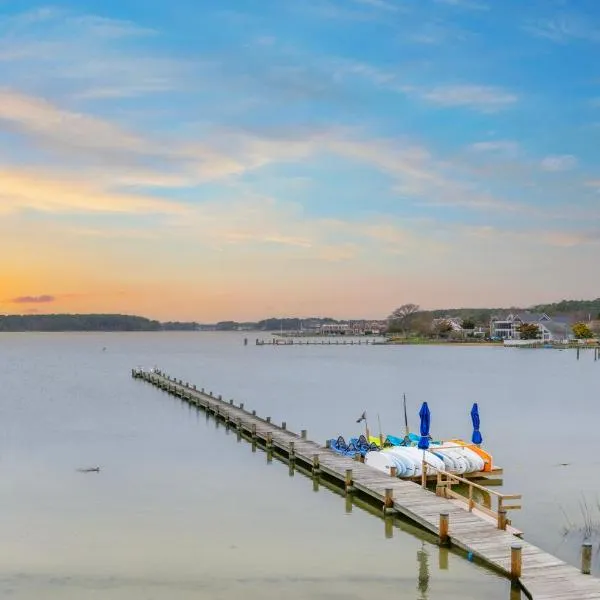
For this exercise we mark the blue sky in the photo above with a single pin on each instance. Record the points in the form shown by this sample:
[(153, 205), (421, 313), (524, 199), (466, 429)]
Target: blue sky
[(442, 152)]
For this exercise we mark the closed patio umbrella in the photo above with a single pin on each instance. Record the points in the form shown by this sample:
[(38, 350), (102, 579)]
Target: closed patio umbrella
[(476, 437)]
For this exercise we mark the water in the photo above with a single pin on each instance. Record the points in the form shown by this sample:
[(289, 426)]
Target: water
[(181, 509)]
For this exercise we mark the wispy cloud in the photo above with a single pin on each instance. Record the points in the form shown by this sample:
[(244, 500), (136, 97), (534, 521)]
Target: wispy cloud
[(502, 147), (45, 192), (42, 299), (436, 33), (564, 28), (467, 4), (381, 4), (480, 97), (560, 162), (91, 56)]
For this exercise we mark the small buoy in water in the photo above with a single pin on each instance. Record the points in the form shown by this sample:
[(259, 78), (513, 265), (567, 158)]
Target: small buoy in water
[(470, 556)]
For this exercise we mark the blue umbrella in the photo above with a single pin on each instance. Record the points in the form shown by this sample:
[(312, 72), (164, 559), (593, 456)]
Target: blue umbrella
[(425, 416), (476, 438)]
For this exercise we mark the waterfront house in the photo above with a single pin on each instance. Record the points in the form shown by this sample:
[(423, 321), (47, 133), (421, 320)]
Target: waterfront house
[(552, 329)]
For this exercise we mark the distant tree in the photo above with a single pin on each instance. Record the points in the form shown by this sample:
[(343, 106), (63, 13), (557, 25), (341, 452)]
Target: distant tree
[(443, 328), (421, 324), (399, 320), (582, 331), (530, 331), (468, 324)]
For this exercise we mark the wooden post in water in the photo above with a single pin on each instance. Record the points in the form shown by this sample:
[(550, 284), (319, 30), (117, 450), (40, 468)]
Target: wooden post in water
[(253, 430), (328, 444), (515, 561), (284, 425), (393, 471), (444, 526), (303, 434), (291, 451), (388, 501), (241, 406), (349, 481), (586, 558), (253, 413), (269, 440), (316, 465), (231, 401), (502, 519)]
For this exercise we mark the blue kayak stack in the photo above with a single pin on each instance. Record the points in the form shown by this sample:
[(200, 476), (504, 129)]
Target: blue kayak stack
[(355, 446)]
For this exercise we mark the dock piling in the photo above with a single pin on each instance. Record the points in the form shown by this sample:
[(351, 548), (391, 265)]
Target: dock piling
[(443, 528), (502, 519), (515, 561), (393, 471), (303, 434), (316, 468), (349, 481), (388, 501), (291, 451), (284, 425), (586, 558), (268, 419)]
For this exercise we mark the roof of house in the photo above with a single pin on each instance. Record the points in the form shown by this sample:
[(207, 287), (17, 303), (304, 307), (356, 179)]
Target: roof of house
[(531, 317), (556, 328)]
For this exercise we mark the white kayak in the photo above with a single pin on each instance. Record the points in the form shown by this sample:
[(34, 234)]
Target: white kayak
[(430, 459), (449, 462), (477, 463), (382, 461), (461, 465), (408, 462)]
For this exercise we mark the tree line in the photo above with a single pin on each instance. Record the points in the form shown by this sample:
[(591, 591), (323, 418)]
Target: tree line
[(92, 322)]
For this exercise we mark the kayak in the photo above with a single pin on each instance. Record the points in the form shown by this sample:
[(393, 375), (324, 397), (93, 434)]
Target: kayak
[(486, 456)]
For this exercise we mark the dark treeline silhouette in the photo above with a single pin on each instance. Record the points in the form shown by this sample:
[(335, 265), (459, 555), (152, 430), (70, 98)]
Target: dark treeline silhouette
[(77, 323)]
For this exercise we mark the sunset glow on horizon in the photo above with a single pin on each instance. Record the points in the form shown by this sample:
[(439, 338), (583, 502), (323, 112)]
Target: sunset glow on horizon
[(316, 158)]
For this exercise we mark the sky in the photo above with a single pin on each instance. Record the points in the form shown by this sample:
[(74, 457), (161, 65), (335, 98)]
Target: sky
[(201, 160)]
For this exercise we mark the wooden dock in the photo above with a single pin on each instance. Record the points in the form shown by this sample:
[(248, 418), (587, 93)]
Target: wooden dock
[(317, 342), (540, 575)]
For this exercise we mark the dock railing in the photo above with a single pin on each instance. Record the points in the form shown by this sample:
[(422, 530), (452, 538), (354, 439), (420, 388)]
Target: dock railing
[(446, 480)]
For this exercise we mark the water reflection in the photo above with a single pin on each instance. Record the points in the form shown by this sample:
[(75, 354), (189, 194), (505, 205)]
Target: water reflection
[(443, 558), (423, 581), (389, 527)]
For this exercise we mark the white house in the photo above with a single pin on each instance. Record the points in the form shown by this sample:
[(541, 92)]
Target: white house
[(507, 328)]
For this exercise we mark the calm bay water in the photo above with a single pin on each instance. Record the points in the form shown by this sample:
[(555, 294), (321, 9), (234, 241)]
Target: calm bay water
[(181, 509)]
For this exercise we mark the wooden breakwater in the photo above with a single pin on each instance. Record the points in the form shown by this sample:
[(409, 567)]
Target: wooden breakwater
[(541, 575)]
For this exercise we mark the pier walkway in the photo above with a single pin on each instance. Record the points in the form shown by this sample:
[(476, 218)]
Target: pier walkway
[(541, 575)]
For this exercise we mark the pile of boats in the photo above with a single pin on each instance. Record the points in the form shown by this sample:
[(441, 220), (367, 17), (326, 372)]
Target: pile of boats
[(454, 456)]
